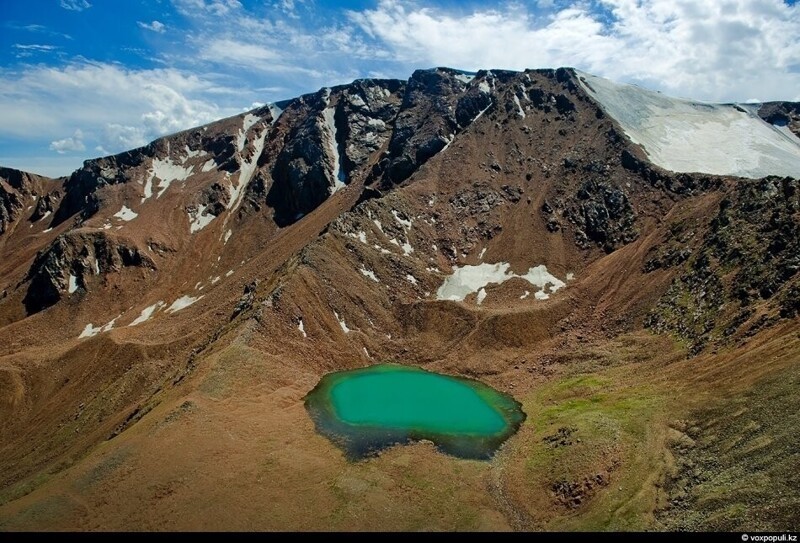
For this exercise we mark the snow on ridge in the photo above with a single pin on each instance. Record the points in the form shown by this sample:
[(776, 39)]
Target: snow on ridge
[(464, 77), (126, 214), (249, 120), (468, 279), (688, 136), (275, 111), (337, 173), (182, 303)]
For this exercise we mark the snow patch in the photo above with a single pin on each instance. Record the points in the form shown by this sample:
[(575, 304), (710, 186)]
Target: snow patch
[(198, 219), (126, 214), (73, 284), (484, 87), (215, 280), (407, 248), (193, 154), (570, 276), (209, 165), (464, 77), (275, 111), (345, 329), (369, 273), (378, 224), (229, 273), (468, 279), (47, 214), (182, 303), (228, 235), (337, 173), (404, 223), (166, 172), (520, 111), (525, 295), (47, 230), (481, 296), (147, 312), (541, 295), (246, 172), (90, 330), (302, 328), (96, 266), (411, 279), (687, 136), (483, 252), (249, 120)]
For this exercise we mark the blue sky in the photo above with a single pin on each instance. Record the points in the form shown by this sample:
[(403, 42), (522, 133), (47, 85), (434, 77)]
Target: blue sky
[(85, 78)]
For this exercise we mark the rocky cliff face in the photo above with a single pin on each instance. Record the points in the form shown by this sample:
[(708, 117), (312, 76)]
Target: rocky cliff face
[(19, 190), (75, 260), (782, 114)]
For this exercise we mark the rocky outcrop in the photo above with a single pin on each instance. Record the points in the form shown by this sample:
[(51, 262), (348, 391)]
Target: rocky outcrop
[(334, 133), (10, 205), (301, 174), (749, 258), (16, 187), (782, 114), (425, 123), (600, 212), (67, 264)]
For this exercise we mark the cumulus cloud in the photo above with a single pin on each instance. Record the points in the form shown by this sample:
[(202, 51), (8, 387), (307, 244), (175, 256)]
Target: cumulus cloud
[(708, 49), (74, 143), (155, 26), (75, 5), (116, 108)]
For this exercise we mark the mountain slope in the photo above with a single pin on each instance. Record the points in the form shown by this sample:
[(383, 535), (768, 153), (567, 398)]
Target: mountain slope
[(168, 308)]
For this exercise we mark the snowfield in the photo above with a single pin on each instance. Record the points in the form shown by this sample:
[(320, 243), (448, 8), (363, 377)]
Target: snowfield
[(686, 136), (468, 279)]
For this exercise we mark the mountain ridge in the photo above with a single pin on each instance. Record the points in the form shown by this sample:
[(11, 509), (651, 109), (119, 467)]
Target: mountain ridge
[(239, 261)]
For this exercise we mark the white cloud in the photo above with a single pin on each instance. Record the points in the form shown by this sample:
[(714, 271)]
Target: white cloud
[(74, 143), (155, 26), (75, 5), (27, 50), (114, 107), (707, 49)]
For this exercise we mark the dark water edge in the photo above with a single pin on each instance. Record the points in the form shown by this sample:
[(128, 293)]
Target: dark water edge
[(361, 441)]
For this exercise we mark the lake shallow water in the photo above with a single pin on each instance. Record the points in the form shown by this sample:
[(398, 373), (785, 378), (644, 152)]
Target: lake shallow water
[(368, 409)]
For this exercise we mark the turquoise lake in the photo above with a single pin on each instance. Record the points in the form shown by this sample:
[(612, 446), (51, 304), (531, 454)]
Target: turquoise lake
[(368, 409)]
